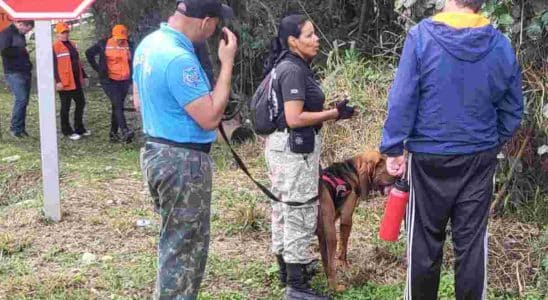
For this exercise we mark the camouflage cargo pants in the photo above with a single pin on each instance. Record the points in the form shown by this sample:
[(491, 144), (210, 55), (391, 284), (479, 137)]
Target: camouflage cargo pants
[(295, 178), (179, 181), (293, 231)]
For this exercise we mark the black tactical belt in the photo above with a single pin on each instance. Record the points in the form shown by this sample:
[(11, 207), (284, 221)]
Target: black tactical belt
[(286, 130), (206, 148)]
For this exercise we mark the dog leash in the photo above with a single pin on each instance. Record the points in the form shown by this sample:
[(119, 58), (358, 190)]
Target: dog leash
[(243, 167)]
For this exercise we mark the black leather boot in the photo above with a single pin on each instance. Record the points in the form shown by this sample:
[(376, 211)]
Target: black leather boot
[(127, 135), (309, 270), (283, 270), (296, 288), (114, 137)]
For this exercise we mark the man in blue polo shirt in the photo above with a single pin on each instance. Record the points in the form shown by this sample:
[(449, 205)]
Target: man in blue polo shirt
[(180, 112)]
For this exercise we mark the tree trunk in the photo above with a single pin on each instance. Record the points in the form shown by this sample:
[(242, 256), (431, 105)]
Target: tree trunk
[(362, 18), (330, 7)]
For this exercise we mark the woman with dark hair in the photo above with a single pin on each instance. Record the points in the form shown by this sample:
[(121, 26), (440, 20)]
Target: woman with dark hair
[(293, 150)]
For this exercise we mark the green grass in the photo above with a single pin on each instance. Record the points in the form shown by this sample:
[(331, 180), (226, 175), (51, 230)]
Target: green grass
[(128, 272), (9, 244), (237, 211), (249, 276), (14, 266), (60, 257), (372, 291)]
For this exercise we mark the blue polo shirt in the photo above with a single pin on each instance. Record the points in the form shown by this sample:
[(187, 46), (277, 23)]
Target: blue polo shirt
[(169, 77)]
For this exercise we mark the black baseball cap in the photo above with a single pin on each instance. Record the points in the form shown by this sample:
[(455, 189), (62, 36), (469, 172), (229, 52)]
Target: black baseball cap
[(206, 8)]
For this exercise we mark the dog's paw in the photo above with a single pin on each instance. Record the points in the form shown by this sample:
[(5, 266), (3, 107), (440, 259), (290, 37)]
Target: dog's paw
[(343, 263), (340, 288), (334, 286)]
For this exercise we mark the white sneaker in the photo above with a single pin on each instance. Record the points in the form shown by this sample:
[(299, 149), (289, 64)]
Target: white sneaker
[(74, 137), (87, 133)]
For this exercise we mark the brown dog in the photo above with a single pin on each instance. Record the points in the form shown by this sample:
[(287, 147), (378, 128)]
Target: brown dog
[(341, 186)]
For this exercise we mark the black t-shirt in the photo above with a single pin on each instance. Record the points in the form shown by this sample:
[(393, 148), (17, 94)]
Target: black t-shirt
[(295, 81)]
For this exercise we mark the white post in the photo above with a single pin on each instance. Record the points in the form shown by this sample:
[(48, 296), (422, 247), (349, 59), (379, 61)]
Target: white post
[(48, 126)]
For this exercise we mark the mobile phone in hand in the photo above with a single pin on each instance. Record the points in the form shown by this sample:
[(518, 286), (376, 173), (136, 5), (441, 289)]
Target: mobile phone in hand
[(224, 37)]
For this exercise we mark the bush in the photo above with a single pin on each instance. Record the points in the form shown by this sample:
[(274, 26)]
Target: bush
[(366, 84)]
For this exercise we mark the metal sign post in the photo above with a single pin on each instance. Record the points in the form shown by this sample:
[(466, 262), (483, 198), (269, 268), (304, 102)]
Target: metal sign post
[(48, 126), (46, 10)]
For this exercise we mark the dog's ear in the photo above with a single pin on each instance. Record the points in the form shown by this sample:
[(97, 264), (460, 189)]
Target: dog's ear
[(366, 164)]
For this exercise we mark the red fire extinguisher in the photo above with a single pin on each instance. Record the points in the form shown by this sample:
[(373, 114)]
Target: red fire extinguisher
[(394, 211)]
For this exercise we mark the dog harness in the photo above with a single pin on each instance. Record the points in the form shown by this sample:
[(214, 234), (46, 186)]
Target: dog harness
[(338, 188)]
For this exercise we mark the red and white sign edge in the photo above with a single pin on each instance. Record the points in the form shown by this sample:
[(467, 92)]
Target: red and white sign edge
[(48, 15)]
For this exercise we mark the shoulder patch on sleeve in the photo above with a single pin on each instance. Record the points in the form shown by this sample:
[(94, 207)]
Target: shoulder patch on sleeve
[(191, 77)]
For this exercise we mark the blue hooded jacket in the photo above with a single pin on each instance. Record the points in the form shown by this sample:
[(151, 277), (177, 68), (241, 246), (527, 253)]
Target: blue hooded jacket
[(456, 91)]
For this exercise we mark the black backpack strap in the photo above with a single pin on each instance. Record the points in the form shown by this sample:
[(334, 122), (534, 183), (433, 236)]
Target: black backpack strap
[(264, 189)]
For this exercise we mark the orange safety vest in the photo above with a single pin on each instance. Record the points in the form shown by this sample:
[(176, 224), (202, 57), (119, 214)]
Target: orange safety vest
[(64, 66), (118, 59)]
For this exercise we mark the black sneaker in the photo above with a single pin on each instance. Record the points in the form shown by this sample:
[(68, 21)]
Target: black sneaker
[(292, 293), (114, 137), (297, 288), (311, 269), (24, 133), (127, 136), (282, 273), (17, 135)]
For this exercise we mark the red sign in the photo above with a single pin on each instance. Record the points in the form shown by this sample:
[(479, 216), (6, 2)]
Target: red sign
[(45, 9), (5, 19)]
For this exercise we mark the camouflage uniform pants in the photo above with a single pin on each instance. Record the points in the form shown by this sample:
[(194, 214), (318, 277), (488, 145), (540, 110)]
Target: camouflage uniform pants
[(295, 178), (179, 181)]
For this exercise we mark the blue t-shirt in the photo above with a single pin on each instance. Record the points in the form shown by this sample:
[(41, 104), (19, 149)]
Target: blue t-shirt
[(169, 76)]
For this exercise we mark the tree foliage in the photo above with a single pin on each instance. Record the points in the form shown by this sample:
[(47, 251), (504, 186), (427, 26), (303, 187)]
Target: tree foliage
[(372, 26)]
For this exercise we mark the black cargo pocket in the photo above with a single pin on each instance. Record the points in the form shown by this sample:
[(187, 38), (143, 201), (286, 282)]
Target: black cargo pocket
[(196, 173), (302, 140)]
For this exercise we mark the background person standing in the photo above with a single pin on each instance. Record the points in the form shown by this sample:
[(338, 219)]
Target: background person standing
[(18, 71), (115, 69), (69, 82)]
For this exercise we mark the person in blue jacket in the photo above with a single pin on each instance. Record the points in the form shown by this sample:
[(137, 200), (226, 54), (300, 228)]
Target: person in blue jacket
[(456, 99)]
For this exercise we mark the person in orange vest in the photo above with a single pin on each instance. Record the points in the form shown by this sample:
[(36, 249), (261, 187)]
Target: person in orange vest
[(70, 79), (115, 70)]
